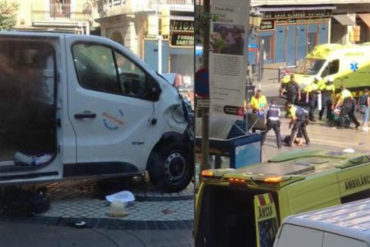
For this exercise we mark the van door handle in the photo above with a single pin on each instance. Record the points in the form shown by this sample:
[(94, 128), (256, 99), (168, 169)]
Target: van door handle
[(85, 114)]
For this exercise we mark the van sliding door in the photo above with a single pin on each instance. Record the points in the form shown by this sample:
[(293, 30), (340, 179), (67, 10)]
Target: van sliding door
[(28, 110)]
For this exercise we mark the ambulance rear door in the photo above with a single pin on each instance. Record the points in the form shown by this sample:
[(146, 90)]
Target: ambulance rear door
[(265, 219)]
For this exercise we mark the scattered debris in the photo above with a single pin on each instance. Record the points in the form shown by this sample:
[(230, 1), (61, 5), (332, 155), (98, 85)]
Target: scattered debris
[(117, 209), (122, 196), (349, 150), (167, 211)]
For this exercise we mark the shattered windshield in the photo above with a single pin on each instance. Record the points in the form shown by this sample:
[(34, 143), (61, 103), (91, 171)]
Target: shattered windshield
[(310, 66)]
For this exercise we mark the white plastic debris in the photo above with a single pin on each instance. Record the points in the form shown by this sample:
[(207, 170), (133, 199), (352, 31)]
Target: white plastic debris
[(349, 150), (32, 160), (117, 209), (122, 196)]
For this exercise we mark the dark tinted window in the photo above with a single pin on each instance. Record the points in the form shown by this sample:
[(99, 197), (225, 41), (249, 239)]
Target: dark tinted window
[(95, 68)]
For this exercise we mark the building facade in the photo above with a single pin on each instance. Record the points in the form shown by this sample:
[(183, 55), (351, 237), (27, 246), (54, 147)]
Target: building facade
[(71, 16), (142, 25), (289, 32)]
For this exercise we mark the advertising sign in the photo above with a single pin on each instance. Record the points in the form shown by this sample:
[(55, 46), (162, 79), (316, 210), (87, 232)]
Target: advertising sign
[(227, 68)]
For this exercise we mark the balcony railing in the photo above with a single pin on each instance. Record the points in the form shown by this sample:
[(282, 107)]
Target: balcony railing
[(59, 13)]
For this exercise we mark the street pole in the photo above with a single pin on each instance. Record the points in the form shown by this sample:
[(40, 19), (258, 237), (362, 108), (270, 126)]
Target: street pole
[(159, 54), (260, 62), (205, 110)]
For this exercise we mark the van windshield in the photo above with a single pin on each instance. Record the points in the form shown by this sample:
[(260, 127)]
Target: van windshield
[(310, 66), (227, 217)]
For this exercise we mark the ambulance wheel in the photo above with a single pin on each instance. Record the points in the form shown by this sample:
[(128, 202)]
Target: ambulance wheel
[(171, 167)]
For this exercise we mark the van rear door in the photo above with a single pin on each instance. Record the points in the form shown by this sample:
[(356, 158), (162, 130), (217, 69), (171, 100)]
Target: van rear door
[(265, 219), (29, 134)]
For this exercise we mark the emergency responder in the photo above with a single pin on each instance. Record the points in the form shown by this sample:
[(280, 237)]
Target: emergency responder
[(299, 121), (346, 101), (292, 90), (327, 93), (258, 104), (273, 122), (310, 92)]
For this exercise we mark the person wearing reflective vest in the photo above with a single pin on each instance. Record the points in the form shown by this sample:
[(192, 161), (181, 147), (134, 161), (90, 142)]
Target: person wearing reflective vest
[(347, 104), (298, 120), (273, 122), (327, 92)]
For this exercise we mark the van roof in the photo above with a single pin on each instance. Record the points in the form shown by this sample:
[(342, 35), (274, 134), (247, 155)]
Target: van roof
[(296, 165), (351, 219)]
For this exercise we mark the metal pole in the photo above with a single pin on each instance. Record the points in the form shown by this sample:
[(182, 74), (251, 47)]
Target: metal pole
[(260, 62), (205, 110), (160, 54)]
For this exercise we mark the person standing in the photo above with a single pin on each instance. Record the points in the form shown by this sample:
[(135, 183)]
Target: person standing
[(292, 90), (364, 102), (273, 122), (311, 91), (346, 102), (258, 104), (299, 122), (327, 92)]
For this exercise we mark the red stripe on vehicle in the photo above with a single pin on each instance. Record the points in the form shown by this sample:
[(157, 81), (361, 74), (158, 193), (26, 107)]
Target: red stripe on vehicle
[(262, 200), (271, 198)]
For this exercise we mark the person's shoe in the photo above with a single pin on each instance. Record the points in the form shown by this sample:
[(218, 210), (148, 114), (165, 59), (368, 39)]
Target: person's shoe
[(365, 129), (357, 125), (320, 118)]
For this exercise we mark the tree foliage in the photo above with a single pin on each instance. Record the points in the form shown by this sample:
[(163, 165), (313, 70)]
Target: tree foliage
[(8, 14)]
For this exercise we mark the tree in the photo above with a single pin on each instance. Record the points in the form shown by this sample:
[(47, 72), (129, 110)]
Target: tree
[(8, 14)]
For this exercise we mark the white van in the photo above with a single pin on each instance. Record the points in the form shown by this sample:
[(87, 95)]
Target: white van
[(75, 105), (346, 225)]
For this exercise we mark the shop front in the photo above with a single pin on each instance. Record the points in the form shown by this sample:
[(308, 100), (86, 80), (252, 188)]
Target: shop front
[(289, 33)]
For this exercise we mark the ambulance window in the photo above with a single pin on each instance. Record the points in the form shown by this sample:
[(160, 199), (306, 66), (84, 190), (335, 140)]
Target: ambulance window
[(95, 68), (332, 68), (290, 235), (334, 240)]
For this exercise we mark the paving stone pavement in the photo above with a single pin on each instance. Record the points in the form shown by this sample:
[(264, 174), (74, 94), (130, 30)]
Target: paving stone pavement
[(77, 200)]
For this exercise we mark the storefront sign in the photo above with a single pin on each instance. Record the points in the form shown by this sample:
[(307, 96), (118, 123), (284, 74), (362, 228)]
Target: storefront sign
[(179, 25), (297, 14), (180, 39), (267, 25)]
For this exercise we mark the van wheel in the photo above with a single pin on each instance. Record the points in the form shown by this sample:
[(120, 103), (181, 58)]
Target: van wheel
[(171, 168)]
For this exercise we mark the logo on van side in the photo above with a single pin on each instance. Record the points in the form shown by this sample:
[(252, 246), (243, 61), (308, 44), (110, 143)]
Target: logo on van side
[(111, 122), (354, 66), (265, 212)]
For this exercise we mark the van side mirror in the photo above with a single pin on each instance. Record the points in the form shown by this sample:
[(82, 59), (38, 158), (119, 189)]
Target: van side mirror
[(154, 90)]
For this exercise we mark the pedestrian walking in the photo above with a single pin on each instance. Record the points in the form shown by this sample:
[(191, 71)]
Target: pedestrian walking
[(311, 91), (327, 93), (292, 90), (346, 102), (364, 103), (273, 122), (299, 122)]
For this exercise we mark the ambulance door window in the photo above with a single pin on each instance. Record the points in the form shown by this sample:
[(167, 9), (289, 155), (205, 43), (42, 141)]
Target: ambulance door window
[(331, 68)]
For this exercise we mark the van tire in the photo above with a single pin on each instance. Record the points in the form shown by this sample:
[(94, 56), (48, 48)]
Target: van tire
[(171, 167)]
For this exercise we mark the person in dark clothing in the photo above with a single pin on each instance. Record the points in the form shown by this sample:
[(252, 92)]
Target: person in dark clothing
[(299, 121), (347, 104), (327, 91), (273, 122), (292, 90), (311, 91)]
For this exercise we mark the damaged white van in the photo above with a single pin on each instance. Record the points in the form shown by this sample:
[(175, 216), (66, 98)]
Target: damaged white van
[(75, 105)]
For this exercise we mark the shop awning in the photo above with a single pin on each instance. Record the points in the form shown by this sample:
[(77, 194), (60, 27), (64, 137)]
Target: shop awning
[(345, 20), (365, 18)]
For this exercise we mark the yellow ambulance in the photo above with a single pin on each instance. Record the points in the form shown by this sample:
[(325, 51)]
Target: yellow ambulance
[(347, 65), (244, 207)]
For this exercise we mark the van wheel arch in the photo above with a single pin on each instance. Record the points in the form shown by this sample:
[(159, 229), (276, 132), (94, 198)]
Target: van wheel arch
[(172, 150)]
